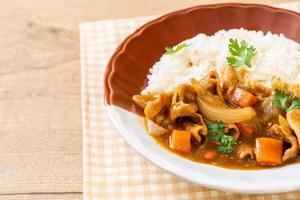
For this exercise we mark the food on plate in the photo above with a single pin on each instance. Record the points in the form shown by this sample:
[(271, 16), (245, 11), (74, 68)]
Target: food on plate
[(230, 99)]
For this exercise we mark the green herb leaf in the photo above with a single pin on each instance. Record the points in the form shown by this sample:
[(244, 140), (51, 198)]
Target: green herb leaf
[(240, 53), (294, 104), (281, 100), (216, 134), (226, 146), (175, 49), (215, 130)]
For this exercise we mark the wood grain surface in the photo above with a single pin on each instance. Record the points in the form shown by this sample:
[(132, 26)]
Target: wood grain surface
[(40, 110)]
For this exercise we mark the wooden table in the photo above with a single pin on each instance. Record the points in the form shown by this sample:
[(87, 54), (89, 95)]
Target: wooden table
[(40, 111)]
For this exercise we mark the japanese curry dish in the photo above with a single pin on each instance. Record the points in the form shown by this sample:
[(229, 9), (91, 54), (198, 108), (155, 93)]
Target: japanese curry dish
[(230, 99)]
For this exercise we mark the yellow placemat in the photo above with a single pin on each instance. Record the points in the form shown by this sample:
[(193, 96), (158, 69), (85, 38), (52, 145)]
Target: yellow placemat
[(112, 170)]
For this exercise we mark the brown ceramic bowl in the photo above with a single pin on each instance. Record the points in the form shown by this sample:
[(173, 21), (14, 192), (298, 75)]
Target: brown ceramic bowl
[(139, 51), (126, 75)]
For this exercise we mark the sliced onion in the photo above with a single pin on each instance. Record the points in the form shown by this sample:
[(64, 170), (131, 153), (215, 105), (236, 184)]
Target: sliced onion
[(198, 87), (154, 129), (213, 109)]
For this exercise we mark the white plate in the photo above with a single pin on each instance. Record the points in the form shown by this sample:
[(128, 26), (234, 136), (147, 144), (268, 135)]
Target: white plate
[(274, 180)]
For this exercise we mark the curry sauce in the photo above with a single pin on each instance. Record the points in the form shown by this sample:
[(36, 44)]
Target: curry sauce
[(231, 125)]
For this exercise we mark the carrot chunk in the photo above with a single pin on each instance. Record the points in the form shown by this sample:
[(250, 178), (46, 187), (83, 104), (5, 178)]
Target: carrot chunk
[(242, 98), (181, 141), (268, 151), (246, 129)]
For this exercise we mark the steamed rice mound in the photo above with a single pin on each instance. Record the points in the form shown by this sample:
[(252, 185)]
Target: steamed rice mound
[(277, 58)]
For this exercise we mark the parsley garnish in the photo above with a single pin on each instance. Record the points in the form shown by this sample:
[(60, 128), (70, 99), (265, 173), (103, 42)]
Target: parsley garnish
[(294, 104), (175, 49), (226, 146), (281, 100), (240, 54), (216, 133), (215, 130)]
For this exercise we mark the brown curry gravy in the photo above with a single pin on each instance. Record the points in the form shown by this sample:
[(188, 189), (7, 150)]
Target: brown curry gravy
[(225, 161)]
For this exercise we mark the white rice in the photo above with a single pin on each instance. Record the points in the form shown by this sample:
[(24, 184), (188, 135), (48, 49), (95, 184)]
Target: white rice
[(277, 57)]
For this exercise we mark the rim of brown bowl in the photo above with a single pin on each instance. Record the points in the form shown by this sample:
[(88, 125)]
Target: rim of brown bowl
[(111, 96)]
